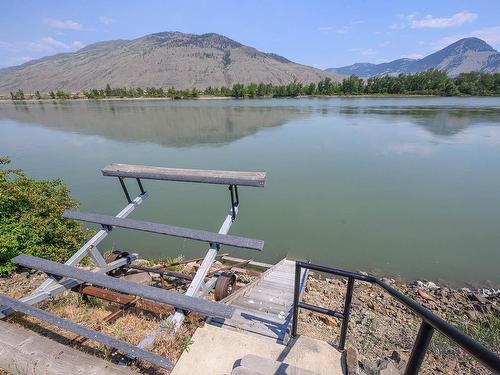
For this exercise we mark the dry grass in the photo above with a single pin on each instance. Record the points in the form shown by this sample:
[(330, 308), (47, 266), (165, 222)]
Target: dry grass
[(132, 327)]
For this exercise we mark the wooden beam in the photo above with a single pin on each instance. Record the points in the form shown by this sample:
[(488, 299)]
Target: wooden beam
[(156, 294), (256, 179), (170, 230), (252, 263)]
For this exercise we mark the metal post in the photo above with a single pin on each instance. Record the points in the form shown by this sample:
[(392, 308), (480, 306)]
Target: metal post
[(233, 204), (296, 295), (127, 195), (140, 185), (347, 311), (417, 355)]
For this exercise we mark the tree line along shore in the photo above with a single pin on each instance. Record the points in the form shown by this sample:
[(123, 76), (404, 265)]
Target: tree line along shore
[(429, 82)]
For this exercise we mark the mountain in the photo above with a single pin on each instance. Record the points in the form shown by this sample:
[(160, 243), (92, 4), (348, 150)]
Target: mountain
[(162, 60), (465, 55)]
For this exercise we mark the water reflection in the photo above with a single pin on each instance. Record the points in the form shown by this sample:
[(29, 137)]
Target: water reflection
[(170, 125), (190, 123)]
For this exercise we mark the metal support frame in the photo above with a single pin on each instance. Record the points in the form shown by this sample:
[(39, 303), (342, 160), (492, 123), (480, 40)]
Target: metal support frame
[(198, 287), (235, 200), (51, 288), (419, 350)]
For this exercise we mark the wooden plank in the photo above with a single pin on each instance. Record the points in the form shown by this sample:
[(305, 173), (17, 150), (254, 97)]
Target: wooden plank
[(170, 230), (252, 263), (178, 300), (256, 179), (132, 351), (26, 352)]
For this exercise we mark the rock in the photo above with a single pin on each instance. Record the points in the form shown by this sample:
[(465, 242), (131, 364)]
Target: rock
[(351, 360), (417, 283), (424, 295), (138, 277), (329, 321), (391, 369), (472, 314), (431, 285), (140, 262), (395, 356), (479, 298)]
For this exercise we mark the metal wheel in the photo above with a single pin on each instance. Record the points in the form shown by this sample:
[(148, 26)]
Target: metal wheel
[(224, 285), (115, 255)]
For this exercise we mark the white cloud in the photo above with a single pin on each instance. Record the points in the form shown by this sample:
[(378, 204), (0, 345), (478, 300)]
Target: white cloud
[(45, 44), (384, 44), (429, 21), (342, 30), (364, 51), (63, 24), (106, 21), (339, 31), (77, 44)]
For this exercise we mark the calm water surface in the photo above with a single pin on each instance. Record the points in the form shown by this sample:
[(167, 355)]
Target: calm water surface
[(407, 187)]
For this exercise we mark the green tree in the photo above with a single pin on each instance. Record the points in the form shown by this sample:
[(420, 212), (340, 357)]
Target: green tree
[(20, 94), (252, 90), (30, 218), (238, 90), (52, 95), (38, 95), (107, 90)]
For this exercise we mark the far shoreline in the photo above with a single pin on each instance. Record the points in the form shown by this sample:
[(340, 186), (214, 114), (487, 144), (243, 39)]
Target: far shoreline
[(365, 96)]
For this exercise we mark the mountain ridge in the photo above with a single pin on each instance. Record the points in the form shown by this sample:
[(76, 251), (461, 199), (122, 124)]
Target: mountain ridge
[(462, 56), (165, 59)]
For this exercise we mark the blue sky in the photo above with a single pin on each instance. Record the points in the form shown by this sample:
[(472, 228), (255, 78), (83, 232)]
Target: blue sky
[(318, 33)]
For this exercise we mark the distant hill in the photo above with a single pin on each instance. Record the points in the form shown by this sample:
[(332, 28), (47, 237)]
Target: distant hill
[(465, 55), (161, 60)]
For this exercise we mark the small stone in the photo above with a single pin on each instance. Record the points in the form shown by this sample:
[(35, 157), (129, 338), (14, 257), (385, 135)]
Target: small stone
[(395, 356), (424, 295), (472, 314), (138, 277), (351, 360), (329, 321), (391, 369), (431, 285), (479, 298)]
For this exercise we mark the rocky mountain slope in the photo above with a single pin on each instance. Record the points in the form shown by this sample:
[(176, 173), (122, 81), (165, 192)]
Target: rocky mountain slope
[(465, 55), (161, 60)]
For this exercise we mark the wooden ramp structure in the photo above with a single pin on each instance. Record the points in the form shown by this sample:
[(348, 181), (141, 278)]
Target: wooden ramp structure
[(264, 307)]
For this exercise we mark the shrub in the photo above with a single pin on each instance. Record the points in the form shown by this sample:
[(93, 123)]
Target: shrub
[(30, 218)]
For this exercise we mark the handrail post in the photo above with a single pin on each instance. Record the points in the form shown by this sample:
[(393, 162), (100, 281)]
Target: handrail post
[(347, 311), (417, 355), (296, 294)]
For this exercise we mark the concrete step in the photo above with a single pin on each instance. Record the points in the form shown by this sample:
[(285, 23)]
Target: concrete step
[(266, 366)]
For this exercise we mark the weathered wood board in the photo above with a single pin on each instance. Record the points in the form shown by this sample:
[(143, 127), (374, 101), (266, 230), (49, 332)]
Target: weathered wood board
[(256, 179), (265, 307), (155, 294), (146, 226)]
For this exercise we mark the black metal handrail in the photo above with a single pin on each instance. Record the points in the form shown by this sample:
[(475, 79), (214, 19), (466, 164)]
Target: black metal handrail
[(430, 322)]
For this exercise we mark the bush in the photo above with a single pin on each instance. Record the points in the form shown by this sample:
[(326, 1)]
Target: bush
[(30, 218)]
